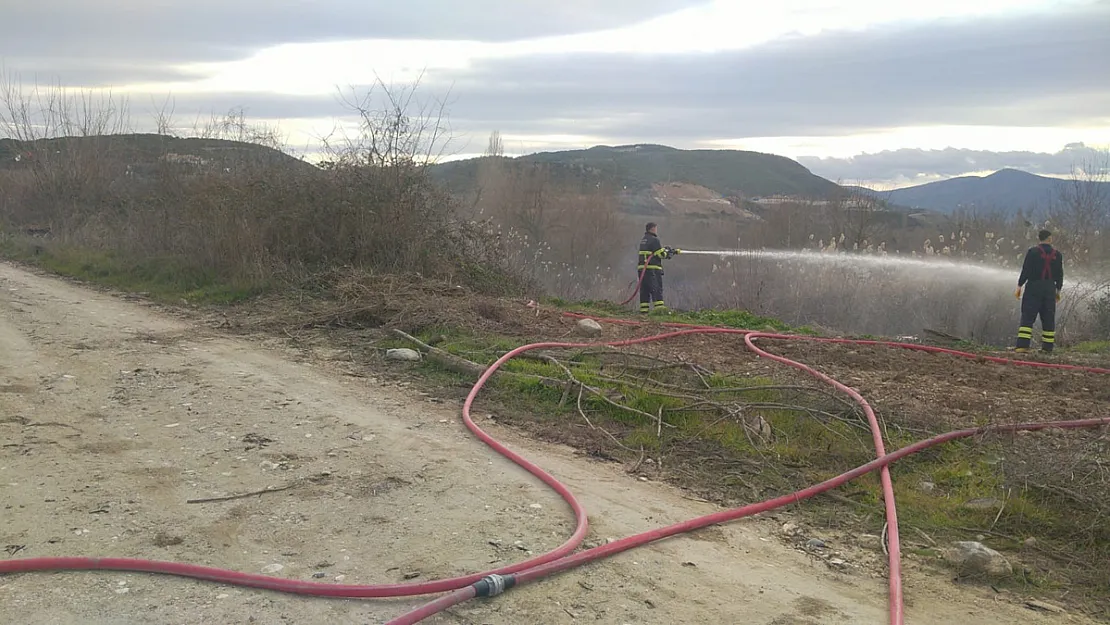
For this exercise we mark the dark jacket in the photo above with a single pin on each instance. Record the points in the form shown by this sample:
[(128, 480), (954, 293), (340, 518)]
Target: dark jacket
[(1043, 262), (648, 245)]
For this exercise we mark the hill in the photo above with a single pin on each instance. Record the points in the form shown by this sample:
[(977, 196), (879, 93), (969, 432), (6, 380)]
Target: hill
[(1009, 191), (142, 151), (641, 171), (728, 172)]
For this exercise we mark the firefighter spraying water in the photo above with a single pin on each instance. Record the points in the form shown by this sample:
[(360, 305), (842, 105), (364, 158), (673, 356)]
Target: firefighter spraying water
[(649, 267), (1039, 285)]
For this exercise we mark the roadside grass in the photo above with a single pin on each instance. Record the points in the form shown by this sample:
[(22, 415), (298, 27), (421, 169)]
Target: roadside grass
[(164, 279)]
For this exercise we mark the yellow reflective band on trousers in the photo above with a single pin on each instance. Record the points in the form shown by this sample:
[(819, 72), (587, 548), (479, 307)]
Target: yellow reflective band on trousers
[(1025, 332), (660, 267), (1048, 337)]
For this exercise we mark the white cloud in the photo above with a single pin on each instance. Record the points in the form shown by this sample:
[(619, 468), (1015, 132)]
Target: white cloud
[(900, 167), (316, 67), (994, 138)]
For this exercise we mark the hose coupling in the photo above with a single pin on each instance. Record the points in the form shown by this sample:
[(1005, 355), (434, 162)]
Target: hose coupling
[(493, 585)]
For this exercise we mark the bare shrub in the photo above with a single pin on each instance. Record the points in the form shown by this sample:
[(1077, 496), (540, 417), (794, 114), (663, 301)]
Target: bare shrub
[(227, 203), (562, 227), (1081, 213), (1101, 314)]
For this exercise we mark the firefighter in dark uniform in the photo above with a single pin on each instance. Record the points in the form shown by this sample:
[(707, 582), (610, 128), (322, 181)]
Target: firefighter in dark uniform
[(1042, 275), (649, 264)]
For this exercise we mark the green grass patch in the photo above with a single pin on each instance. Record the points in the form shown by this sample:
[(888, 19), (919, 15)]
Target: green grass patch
[(1091, 347), (959, 491), (483, 350), (600, 308), (164, 279), (738, 319)]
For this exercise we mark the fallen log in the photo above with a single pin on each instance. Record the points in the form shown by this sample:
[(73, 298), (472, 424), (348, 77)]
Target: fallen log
[(445, 359)]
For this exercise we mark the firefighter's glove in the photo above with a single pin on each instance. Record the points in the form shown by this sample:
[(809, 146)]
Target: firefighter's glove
[(1017, 293)]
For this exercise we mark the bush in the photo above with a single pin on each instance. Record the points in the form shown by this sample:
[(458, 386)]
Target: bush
[(1101, 309), (240, 211)]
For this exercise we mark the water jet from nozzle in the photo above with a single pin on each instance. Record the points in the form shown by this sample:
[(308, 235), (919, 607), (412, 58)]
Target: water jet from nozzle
[(864, 260)]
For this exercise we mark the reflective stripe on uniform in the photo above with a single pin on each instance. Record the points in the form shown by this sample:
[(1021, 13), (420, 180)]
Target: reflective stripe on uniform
[(1048, 337), (1025, 332), (649, 266)]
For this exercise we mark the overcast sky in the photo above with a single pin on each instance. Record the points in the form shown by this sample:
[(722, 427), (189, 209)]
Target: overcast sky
[(889, 93)]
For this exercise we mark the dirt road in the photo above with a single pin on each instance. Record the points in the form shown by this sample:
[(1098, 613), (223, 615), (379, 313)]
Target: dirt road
[(112, 415)]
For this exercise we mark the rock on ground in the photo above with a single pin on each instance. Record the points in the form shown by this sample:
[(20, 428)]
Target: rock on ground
[(403, 354), (589, 327), (975, 558)]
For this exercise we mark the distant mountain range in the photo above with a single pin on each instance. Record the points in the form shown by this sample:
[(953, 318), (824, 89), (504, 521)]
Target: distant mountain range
[(659, 179), (652, 179), (1007, 191)]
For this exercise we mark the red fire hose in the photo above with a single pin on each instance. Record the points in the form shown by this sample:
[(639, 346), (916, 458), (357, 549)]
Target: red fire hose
[(499, 580), (643, 272), (894, 543), (492, 587)]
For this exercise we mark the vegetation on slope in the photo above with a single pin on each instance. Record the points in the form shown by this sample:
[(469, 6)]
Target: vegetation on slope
[(728, 172), (143, 152)]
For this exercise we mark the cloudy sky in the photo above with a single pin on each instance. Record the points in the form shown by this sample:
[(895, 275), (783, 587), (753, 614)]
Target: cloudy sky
[(888, 92)]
